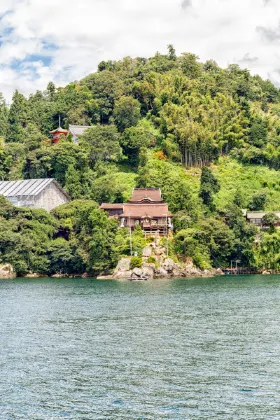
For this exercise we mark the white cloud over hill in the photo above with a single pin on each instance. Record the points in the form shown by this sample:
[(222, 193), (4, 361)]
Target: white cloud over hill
[(64, 40)]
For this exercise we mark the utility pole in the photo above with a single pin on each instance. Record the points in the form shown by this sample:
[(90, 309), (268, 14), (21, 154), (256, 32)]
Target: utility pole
[(166, 225), (130, 236)]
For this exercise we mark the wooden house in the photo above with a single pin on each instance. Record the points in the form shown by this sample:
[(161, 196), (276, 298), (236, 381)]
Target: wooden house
[(145, 208)]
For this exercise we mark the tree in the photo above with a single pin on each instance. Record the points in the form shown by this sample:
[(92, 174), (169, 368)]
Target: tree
[(103, 143), (190, 67), (126, 112), (270, 220), (134, 139), (4, 112), (258, 201), (209, 185), (19, 116), (171, 52)]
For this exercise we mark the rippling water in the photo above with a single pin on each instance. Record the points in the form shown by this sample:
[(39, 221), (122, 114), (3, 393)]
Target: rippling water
[(167, 349)]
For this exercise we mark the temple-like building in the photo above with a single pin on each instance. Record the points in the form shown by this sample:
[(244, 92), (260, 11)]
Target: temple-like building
[(145, 208), (75, 131)]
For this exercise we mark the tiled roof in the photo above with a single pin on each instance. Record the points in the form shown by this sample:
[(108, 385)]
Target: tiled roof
[(142, 210), (139, 194), (28, 187), (111, 206), (60, 130)]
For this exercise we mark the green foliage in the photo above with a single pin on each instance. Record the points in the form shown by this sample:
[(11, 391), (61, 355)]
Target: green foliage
[(138, 240), (102, 143), (155, 122), (151, 260), (270, 220), (258, 201), (126, 112), (209, 185), (135, 262)]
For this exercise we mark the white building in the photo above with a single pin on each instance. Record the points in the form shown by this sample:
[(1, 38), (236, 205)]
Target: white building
[(34, 193), (76, 131)]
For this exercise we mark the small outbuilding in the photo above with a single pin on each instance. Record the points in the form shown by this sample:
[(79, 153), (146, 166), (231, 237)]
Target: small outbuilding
[(34, 193), (77, 131)]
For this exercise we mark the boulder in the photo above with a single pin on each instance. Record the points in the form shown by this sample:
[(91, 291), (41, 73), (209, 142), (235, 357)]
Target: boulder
[(7, 271), (160, 251), (149, 270), (123, 265), (219, 272), (161, 273), (60, 276), (122, 275), (137, 272), (169, 265), (147, 251), (34, 275)]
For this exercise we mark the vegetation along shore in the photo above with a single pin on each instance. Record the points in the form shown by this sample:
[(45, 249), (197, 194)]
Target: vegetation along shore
[(207, 138)]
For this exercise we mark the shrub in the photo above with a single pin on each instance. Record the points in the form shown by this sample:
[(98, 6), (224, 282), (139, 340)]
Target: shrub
[(152, 260), (135, 262)]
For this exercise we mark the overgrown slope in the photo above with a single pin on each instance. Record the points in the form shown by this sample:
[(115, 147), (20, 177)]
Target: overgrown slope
[(157, 123)]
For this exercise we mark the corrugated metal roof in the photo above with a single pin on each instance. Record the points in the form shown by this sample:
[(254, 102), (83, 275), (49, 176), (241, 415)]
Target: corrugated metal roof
[(24, 187), (78, 130), (260, 214)]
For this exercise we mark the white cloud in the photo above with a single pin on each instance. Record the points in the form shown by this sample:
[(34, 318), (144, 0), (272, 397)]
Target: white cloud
[(88, 31)]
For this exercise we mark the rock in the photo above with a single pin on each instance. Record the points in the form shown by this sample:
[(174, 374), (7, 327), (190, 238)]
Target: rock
[(138, 272), (123, 265), (34, 275), (60, 276), (159, 251), (161, 273), (178, 272), (266, 272), (122, 275), (149, 270), (7, 271), (169, 265), (219, 272), (147, 251)]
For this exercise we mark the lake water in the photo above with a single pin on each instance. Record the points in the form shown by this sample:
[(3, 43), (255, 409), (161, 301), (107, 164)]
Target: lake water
[(167, 349)]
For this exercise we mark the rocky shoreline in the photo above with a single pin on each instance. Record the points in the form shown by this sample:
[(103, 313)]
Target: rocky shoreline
[(166, 270)]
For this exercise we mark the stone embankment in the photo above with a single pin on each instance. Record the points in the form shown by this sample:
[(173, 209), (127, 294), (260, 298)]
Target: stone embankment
[(7, 271)]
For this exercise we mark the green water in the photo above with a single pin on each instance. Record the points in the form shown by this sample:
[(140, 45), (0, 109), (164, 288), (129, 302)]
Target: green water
[(167, 349)]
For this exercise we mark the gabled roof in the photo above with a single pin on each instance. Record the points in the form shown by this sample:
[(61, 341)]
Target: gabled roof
[(146, 195), (28, 187), (78, 130)]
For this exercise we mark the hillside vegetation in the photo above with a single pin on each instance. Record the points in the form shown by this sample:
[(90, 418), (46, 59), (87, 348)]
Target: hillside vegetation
[(208, 137)]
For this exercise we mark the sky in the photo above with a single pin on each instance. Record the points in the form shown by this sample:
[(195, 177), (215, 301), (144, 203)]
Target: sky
[(64, 40)]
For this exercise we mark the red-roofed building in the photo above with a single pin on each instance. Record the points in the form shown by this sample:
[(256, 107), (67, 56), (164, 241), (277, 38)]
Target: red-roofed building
[(57, 134), (145, 208)]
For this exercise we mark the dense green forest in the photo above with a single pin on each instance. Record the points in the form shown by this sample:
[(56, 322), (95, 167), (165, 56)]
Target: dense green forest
[(208, 137)]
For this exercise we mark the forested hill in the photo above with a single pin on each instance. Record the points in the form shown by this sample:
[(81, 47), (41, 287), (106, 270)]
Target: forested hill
[(157, 122)]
